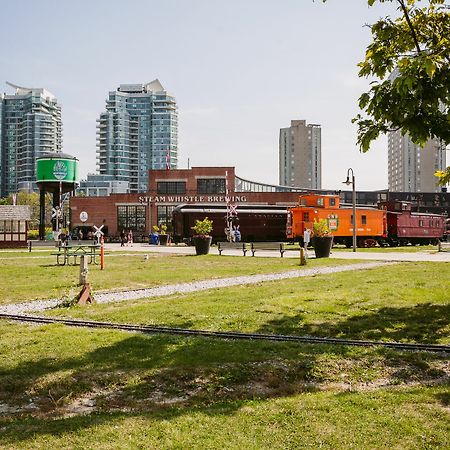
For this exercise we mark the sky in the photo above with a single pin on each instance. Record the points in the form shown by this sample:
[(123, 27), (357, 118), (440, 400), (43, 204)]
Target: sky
[(239, 70)]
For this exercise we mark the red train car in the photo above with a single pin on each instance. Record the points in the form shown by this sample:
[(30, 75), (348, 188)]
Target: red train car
[(407, 227)]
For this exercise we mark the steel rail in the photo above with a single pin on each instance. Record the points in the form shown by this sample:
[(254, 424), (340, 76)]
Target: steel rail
[(153, 329)]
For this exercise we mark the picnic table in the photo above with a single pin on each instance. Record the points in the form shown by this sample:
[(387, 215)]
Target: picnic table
[(74, 249)]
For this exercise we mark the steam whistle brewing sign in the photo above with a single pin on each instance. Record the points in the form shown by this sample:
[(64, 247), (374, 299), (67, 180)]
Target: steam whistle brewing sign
[(193, 199), (59, 170)]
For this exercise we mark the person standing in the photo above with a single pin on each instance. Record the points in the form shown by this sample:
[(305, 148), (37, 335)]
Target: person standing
[(237, 234), (306, 238), (122, 238), (130, 238)]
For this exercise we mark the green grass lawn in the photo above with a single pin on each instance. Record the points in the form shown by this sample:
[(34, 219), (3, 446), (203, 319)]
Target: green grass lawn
[(401, 302), (76, 388), (171, 392), (28, 276)]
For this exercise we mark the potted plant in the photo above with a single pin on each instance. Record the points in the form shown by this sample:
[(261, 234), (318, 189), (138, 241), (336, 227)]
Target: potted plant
[(163, 236), (322, 239), (202, 239), (154, 235)]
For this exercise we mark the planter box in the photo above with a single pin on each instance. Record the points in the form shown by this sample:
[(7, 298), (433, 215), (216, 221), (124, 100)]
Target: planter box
[(163, 239), (322, 246), (202, 244)]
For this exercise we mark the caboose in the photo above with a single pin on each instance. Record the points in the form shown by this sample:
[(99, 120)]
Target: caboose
[(371, 224), (407, 227)]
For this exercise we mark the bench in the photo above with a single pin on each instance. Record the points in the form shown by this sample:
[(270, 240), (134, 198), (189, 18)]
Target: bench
[(221, 246), (34, 244), (443, 246), (279, 246), (81, 242), (65, 252)]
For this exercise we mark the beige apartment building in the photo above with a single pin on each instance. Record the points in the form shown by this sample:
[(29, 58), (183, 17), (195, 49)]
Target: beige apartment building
[(300, 159), (410, 167)]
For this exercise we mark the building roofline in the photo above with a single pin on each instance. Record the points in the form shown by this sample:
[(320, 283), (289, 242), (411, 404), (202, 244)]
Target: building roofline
[(21, 90)]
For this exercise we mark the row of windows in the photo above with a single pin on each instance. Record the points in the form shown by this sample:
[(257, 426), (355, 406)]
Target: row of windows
[(211, 186), (131, 217), (204, 186), (171, 187), (15, 226)]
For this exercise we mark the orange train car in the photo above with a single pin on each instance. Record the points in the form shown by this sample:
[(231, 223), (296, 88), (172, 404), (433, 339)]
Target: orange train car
[(371, 223)]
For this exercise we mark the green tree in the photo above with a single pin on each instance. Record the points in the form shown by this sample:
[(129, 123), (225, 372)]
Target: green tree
[(415, 47)]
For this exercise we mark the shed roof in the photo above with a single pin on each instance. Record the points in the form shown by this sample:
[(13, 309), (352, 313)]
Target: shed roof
[(17, 212)]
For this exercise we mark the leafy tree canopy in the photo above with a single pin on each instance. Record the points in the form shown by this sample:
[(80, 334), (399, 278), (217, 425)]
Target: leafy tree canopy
[(409, 58)]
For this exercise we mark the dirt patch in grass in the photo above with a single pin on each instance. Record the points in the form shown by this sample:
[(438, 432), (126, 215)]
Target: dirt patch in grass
[(229, 382)]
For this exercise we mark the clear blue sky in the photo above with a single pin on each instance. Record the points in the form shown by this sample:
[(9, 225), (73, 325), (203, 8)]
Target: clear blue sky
[(240, 71)]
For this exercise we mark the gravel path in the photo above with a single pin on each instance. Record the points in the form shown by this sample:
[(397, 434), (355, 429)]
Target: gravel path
[(108, 297)]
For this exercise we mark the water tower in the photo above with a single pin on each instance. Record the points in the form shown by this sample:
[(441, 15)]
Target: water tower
[(56, 173)]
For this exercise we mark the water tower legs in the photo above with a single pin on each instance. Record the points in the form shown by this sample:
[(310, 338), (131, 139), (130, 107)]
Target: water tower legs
[(41, 214)]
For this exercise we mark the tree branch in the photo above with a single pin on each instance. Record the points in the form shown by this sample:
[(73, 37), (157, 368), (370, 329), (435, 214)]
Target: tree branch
[(408, 20)]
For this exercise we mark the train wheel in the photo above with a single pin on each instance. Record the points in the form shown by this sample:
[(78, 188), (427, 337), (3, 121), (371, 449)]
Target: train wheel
[(392, 242), (371, 243), (362, 243)]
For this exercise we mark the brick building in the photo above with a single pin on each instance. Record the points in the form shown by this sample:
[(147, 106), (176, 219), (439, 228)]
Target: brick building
[(167, 190)]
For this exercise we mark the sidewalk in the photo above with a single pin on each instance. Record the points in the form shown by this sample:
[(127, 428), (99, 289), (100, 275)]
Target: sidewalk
[(395, 255)]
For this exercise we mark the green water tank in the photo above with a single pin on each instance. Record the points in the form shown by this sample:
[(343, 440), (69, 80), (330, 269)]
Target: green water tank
[(55, 168)]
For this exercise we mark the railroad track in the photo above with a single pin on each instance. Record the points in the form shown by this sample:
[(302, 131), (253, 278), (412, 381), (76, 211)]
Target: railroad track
[(150, 329)]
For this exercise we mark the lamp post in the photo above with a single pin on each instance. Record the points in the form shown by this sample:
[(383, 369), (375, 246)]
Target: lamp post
[(352, 182)]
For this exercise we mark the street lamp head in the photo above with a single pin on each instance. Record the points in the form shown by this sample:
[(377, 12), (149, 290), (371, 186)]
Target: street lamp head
[(348, 182)]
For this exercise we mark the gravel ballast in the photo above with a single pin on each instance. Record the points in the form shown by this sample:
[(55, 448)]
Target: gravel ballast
[(182, 288)]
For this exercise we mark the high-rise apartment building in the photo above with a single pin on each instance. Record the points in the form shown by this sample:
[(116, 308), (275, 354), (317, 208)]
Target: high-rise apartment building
[(300, 155), (138, 132), (410, 167), (30, 124)]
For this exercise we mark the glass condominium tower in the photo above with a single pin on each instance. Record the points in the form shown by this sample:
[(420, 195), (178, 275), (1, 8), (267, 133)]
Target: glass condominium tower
[(30, 124), (138, 132)]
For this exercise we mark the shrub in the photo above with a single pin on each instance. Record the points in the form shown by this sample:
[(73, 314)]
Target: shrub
[(203, 227), (321, 228), (33, 234)]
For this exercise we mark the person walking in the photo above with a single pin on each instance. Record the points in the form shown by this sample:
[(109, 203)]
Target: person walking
[(122, 238), (130, 238)]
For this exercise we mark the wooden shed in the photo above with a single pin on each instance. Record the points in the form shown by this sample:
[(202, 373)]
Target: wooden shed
[(14, 225)]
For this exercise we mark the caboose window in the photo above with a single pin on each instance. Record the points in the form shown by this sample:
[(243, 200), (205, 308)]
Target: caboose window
[(306, 217), (332, 201), (320, 201), (420, 223), (364, 220)]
